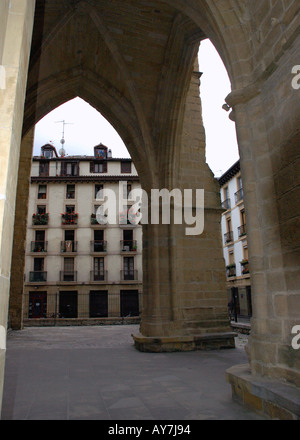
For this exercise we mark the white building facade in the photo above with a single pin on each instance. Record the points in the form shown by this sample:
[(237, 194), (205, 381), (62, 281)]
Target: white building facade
[(235, 246), (78, 270)]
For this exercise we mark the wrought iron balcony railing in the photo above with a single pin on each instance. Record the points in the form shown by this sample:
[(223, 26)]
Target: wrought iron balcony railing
[(239, 196), (228, 237), (129, 275), (37, 276), (128, 245), (68, 246), (226, 204), (68, 275), (38, 246), (242, 230), (98, 246), (98, 275)]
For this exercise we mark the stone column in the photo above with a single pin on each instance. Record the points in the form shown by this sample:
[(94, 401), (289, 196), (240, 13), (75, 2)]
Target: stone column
[(268, 133), (20, 232), (16, 18), (184, 294)]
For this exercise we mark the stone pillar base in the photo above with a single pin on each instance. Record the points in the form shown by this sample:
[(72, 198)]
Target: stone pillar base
[(210, 341), (269, 397)]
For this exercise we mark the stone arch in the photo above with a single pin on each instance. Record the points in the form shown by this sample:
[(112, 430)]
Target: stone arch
[(259, 43), (101, 95)]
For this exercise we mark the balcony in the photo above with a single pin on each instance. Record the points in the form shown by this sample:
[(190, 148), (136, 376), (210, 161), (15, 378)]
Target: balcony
[(242, 230), (68, 218), (68, 276), (239, 196), (244, 267), (231, 270), (129, 275), (38, 246), (94, 220), (226, 204), (228, 237), (98, 246), (68, 246), (40, 219), (98, 275), (128, 245), (37, 277)]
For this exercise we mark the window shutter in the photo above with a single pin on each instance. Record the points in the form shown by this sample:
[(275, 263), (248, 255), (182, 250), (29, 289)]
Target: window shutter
[(92, 167)]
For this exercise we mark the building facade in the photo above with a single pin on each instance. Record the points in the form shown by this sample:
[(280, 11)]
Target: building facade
[(80, 266), (235, 245)]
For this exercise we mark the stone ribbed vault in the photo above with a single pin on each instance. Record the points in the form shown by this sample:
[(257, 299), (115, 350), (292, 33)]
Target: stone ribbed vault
[(135, 61)]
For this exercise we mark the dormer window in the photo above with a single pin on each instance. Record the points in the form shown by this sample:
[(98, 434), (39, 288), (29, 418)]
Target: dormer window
[(48, 151), (100, 152), (48, 154)]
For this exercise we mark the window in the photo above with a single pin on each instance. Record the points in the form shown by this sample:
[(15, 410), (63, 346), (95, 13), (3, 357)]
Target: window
[(231, 268), (41, 209), (69, 244), (98, 167), (239, 183), (239, 195), (229, 233), (69, 168), (99, 269), (38, 264), (98, 245), (226, 203), (44, 168), (48, 154), (42, 191), (228, 224), (39, 244), (243, 217), (100, 152), (125, 167), (242, 230), (126, 190), (70, 193), (231, 257), (70, 209), (69, 273), (128, 268), (38, 274), (99, 192)]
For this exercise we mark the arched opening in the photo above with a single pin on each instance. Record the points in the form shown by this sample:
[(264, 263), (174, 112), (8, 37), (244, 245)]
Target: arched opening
[(85, 127), (78, 269), (147, 99), (150, 110)]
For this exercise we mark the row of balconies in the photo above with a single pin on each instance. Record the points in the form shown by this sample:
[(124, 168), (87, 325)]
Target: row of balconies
[(242, 231), (39, 219), (95, 246), (239, 197), (231, 269), (71, 276)]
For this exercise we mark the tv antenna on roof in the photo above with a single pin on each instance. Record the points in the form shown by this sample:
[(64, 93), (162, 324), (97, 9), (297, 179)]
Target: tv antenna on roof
[(62, 151)]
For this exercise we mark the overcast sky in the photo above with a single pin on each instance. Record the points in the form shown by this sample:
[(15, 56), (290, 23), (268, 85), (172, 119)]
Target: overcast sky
[(85, 127)]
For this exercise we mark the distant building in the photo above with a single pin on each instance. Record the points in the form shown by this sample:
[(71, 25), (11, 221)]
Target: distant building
[(78, 270), (235, 246)]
